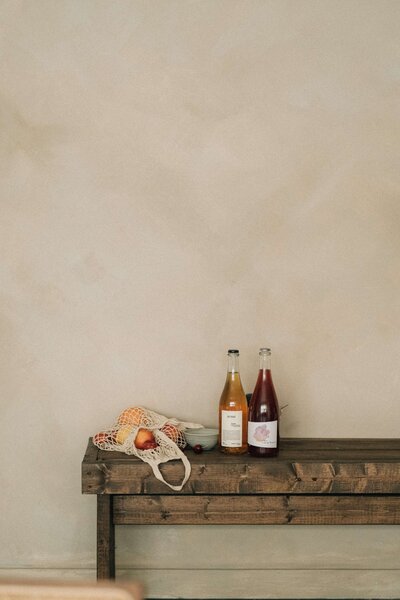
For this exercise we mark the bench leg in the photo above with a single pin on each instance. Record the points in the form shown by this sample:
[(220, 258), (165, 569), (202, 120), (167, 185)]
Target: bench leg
[(105, 537)]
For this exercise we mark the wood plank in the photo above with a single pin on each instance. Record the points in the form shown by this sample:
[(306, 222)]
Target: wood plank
[(306, 448), (301, 467), (348, 444), (91, 452), (251, 510), (105, 538), (255, 478)]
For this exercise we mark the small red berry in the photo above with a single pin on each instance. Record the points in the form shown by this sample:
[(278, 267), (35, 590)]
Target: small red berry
[(198, 448)]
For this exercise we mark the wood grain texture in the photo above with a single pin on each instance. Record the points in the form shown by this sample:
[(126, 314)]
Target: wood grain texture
[(302, 467), (263, 510), (91, 453), (311, 482), (105, 538)]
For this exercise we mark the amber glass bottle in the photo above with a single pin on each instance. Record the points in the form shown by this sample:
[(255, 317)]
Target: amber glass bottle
[(263, 426), (233, 410)]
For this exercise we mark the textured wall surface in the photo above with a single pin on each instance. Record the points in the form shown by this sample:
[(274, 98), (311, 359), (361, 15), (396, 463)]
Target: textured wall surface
[(177, 178)]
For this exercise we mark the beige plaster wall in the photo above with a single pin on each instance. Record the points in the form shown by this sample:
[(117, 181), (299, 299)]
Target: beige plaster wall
[(179, 177)]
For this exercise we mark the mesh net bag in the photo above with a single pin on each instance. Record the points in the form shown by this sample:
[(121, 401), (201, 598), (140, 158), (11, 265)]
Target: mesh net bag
[(153, 438)]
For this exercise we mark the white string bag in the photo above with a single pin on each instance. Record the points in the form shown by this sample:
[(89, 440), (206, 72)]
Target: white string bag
[(168, 435)]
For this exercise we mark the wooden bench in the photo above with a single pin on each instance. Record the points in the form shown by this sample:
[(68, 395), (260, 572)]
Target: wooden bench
[(311, 482)]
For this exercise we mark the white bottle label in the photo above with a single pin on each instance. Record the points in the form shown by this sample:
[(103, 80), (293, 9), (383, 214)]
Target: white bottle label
[(263, 435), (231, 428)]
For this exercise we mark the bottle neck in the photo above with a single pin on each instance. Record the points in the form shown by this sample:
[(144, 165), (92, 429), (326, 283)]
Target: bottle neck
[(233, 363), (265, 361)]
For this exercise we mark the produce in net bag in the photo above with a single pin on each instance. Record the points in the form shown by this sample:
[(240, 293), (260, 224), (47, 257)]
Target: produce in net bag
[(153, 438)]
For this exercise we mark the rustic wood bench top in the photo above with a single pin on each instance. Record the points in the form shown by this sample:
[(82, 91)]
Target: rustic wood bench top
[(311, 482)]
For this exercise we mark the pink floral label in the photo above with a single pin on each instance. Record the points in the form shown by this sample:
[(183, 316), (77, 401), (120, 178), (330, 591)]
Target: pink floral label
[(263, 435)]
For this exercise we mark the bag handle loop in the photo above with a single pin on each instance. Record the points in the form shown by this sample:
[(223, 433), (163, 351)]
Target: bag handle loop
[(159, 476)]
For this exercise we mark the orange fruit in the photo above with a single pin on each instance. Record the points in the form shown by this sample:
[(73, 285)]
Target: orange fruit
[(143, 438), (100, 438), (132, 416), (171, 431)]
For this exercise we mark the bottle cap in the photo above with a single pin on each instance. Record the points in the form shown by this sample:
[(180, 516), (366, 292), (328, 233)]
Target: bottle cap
[(233, 351)]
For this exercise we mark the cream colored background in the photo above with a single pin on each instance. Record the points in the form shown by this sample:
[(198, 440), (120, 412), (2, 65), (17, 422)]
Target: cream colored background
[(179, 177)]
